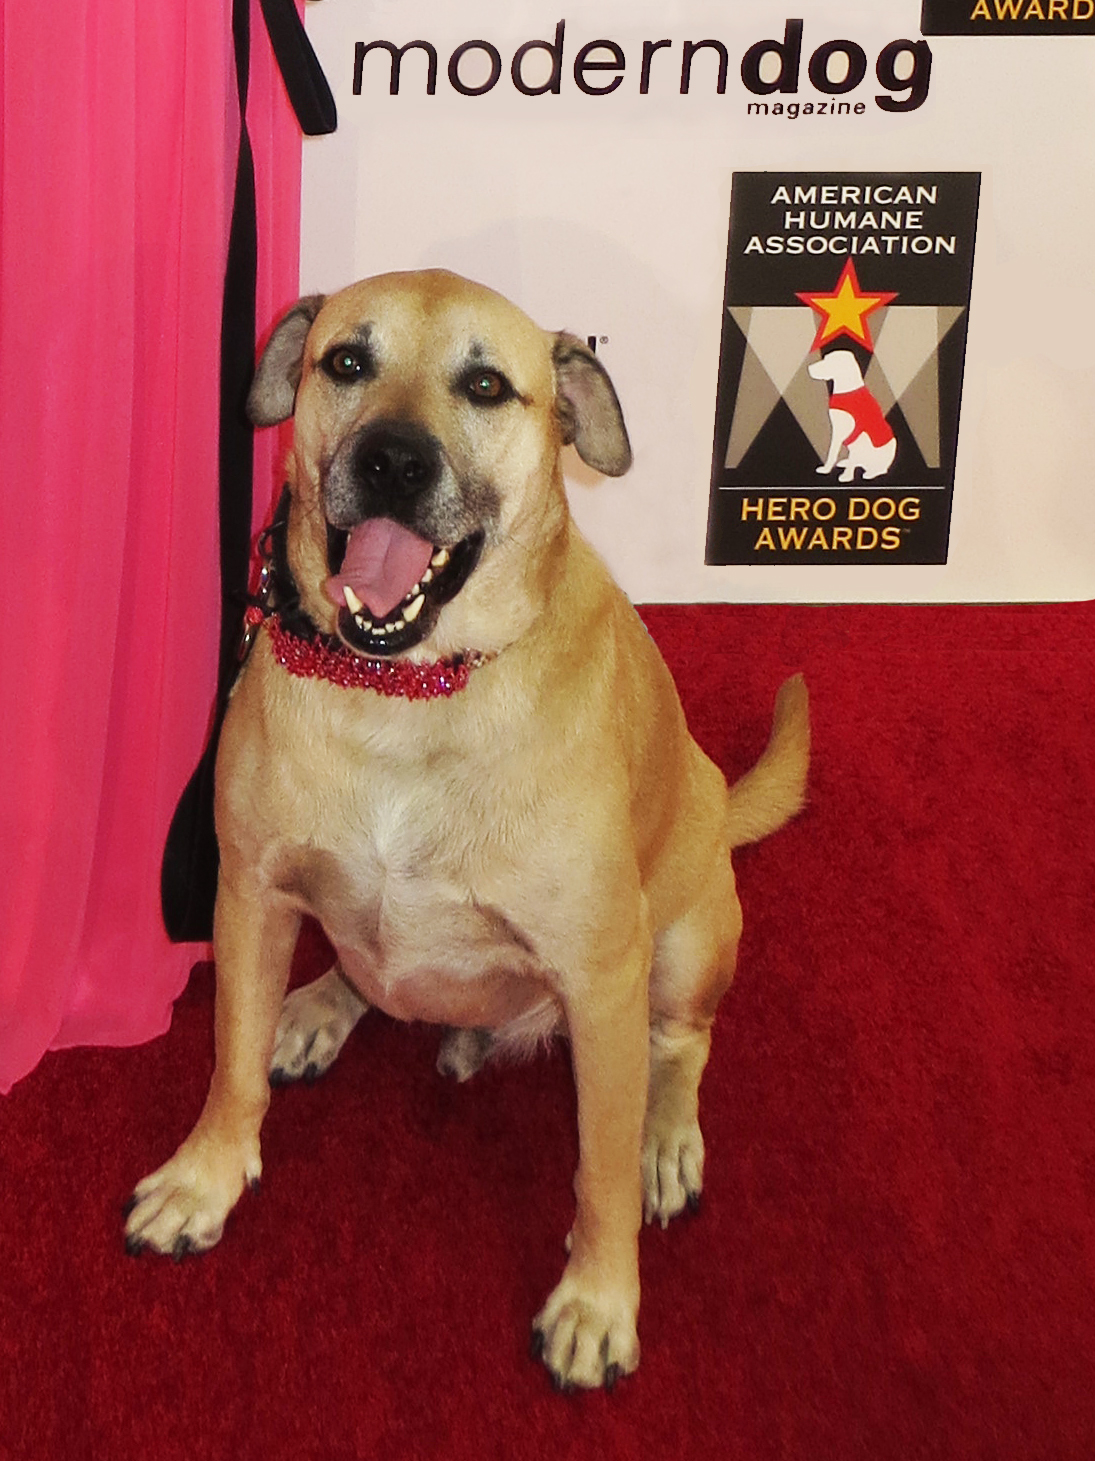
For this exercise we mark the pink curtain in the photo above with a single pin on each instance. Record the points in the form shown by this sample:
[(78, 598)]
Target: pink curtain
[(116, 164)]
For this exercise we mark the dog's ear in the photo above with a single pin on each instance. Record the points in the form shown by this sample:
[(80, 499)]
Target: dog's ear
[(274, 390), (588, 408)]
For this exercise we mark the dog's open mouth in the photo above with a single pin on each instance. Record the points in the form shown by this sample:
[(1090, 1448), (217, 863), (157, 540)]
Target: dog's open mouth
[(389, 584)]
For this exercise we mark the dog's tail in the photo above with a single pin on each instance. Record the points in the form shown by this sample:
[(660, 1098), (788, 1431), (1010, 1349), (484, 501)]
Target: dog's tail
[(774, 790)]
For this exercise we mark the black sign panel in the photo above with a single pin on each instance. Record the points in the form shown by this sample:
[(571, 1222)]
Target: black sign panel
[(1007, 17), (840, 375)]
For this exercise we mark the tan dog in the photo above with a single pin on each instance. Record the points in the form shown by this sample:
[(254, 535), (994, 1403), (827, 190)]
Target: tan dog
[(545, 848)]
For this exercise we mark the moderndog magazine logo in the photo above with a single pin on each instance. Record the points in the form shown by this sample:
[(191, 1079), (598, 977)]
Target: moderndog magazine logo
[(840, 374), (804, 73), (1008, 17)]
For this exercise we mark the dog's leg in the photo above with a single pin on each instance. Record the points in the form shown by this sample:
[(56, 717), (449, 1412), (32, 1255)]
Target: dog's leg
[(315, 1023), (586, 1332), (672, 1161), (879, 461), (854, 461), (182, 1207), (843, 424), (693, 967)]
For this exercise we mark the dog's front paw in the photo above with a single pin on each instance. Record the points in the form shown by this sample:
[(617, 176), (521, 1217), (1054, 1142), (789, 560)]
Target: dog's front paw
[(182, 1208), (586, 1335), (315, 1023), (672, 1169)]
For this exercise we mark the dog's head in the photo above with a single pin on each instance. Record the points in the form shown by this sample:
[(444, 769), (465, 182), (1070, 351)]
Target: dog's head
[(428, 417), (840, 368)]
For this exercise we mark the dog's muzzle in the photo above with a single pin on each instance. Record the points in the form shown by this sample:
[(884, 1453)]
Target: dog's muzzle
[(394, 560), (397, 461)]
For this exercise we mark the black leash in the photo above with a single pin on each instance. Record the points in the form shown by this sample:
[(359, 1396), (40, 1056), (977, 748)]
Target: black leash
[(188, 876)]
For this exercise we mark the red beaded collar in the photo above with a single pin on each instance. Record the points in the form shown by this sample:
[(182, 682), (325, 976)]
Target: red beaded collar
[(320, 658)]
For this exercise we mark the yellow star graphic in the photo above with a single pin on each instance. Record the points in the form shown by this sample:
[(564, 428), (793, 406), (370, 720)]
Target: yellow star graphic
[(845, 310)]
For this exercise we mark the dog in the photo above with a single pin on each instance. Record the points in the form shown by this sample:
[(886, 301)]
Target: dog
[(455, 745), (857, 424)]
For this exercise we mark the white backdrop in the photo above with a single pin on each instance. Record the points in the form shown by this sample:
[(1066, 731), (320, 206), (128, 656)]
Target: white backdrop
[(607, 214)]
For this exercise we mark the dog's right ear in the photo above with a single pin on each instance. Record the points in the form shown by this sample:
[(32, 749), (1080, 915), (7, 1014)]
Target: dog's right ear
[(273, 392)]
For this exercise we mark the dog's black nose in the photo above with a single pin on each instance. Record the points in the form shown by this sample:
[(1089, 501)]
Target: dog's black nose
[(396, 459)]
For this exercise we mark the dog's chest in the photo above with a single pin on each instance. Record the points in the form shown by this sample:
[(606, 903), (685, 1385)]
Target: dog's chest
[(403, 895)]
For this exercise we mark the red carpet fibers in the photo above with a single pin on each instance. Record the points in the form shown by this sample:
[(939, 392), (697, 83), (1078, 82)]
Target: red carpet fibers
[(896, 1252)]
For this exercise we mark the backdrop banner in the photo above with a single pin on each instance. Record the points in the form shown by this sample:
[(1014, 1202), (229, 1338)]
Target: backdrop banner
[(837, 262)]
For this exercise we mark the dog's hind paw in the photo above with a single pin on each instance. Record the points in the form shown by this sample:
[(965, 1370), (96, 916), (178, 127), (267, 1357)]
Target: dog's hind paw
[(672, 1171), (463, 1052), (315, 1023)]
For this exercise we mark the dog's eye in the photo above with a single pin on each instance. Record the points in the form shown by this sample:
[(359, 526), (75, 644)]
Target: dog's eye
[(488, 386), (345, 362)]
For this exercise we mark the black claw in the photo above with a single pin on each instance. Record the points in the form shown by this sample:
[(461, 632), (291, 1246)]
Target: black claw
[(183, 1247), (693, 1202), (135, 1246), (311, 1073), (536, 1344), (277, 1079), (612, 1374), (255, 1185)]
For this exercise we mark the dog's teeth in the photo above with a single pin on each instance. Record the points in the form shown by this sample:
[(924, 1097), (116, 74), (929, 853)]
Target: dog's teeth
[(440, 558), (398, 624), (412, 611), (427, 577), (363, 623), (353, 603)]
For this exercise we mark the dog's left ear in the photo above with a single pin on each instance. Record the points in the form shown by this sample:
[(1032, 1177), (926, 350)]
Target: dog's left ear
[(587, 406), (273, 392)]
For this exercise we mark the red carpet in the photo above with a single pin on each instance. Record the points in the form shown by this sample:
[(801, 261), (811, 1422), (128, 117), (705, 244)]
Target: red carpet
[(896, 1253)]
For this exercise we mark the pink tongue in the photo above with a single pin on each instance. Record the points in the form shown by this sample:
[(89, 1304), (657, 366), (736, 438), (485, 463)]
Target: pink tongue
[(383, 563)]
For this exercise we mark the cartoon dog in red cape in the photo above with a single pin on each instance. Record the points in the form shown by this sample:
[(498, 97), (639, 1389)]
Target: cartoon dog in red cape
[(859, 429)]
